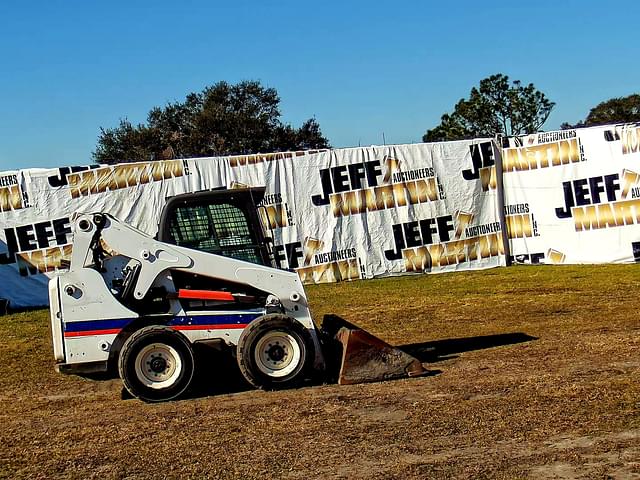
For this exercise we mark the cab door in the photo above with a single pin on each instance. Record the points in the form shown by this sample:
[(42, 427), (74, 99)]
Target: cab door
[(223, 222)]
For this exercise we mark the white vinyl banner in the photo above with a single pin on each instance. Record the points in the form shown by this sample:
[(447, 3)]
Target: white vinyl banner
[(35, 235), (334, 215), (573, 196), (369, 212)]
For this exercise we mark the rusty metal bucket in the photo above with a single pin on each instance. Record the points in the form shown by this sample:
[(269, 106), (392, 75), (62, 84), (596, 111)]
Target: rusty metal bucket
[(355, 356)]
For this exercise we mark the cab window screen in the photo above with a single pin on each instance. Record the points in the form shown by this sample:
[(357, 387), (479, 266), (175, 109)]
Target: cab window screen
[(222, 229)]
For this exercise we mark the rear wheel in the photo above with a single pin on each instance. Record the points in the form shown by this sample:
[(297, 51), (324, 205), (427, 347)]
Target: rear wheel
[(275, 351), (156, 364)]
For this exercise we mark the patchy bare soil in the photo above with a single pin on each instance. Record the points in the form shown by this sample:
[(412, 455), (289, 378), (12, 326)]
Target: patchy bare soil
[(535, 374)]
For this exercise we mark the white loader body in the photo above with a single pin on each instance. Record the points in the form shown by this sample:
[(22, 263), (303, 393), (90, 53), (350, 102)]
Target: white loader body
[(112, 260)]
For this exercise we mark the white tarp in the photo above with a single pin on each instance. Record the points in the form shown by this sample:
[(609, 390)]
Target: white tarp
[(334, 215), (574, 195), (369, 212)]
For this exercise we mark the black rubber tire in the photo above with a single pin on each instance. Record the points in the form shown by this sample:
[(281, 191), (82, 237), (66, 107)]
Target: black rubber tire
[(134, 346), (274, 324)]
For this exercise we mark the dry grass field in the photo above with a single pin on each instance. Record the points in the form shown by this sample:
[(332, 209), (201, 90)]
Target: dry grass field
[(535, 374)]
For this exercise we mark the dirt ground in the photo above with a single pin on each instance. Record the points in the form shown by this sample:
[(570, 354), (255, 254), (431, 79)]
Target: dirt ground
[(535, 373)]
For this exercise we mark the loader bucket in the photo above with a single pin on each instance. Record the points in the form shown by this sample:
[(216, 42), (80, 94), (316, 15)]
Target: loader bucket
[(355, 356)]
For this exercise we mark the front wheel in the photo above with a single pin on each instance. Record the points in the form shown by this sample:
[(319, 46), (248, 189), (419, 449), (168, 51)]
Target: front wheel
[(275, 351), (156, 364)]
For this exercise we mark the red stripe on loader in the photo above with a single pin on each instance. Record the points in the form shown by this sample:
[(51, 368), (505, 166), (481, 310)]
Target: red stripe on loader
[(205, 295), (86, 333)]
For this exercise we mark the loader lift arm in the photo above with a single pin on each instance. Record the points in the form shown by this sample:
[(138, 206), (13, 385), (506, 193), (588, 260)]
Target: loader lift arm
[(151, 258)]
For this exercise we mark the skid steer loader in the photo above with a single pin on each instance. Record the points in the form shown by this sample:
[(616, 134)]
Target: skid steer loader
[(140, 306)]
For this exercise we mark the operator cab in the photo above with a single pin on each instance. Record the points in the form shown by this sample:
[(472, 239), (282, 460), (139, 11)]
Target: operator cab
[(222, 222)]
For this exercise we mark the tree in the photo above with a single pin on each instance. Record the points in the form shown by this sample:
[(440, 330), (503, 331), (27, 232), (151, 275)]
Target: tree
[(614, 110), (495, 107), (223, 119)]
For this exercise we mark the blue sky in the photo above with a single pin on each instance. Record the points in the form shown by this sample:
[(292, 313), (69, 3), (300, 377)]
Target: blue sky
[(361, 68)]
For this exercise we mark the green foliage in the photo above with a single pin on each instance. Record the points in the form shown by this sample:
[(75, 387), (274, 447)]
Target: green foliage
[(223, 119), (128, 143), (614, 110), (495, 107)]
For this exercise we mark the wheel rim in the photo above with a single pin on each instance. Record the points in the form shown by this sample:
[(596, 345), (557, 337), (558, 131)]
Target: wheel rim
[(158, 366), (278, 354)]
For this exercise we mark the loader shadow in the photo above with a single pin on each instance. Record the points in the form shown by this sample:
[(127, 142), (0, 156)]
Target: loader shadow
[(224, 379), (227, 379), (440, 350)]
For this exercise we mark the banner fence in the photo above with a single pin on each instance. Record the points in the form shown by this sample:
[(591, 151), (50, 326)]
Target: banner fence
[(568, 196)]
